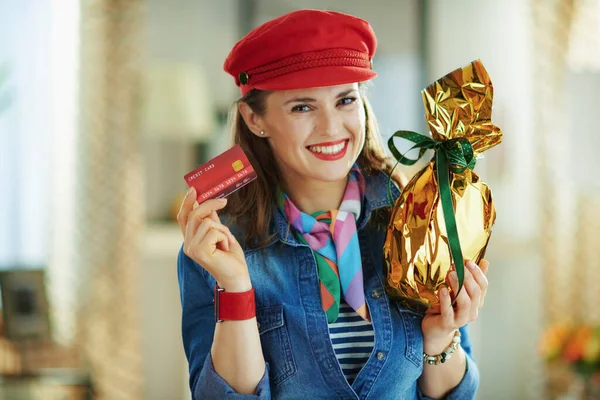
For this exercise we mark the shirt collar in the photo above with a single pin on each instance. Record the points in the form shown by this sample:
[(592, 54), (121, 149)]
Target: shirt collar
[(376, 197)]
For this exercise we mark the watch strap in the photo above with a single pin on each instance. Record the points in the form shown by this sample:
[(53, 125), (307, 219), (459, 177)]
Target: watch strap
[(234, 306)]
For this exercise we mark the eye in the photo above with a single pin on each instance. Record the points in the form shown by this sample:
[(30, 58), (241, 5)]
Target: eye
[(301, 108), (347, 100)]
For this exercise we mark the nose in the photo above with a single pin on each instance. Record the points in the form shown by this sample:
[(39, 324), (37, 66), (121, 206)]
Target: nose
[(329, 123)]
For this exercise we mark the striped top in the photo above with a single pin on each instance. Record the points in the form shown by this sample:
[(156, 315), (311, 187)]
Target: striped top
[(353, 340)]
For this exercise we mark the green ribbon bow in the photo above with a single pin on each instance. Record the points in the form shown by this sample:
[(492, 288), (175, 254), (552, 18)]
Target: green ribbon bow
[(452, 155)]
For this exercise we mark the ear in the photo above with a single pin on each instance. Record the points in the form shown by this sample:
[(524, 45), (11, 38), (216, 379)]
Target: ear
[(252, 119)]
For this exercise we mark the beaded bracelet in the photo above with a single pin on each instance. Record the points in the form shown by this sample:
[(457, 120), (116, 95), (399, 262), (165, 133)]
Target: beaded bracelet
[(446, 354)]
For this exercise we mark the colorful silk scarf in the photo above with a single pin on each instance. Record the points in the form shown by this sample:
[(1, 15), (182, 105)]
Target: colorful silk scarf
[(333, 238)]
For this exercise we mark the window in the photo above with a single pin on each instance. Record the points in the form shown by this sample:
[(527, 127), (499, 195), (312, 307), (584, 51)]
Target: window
[(38, 53)]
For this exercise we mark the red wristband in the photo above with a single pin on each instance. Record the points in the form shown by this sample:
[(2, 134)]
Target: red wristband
[(231, 306)]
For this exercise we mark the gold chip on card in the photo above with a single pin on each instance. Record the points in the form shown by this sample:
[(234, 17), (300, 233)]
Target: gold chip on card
[(238, 165)]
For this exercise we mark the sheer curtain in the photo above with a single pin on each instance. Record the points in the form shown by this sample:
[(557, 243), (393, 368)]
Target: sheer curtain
[(567, 81), (109, 197), (25, 132), (566, 122)]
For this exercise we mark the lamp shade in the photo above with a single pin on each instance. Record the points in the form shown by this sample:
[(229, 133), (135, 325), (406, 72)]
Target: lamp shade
[(176, 102)]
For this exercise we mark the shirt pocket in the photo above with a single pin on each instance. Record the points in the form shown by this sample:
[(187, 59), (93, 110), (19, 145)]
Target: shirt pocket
[(414, 336), (275, 342)]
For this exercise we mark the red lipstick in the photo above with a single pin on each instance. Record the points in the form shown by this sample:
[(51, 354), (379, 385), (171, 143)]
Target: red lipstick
[(332, 157)]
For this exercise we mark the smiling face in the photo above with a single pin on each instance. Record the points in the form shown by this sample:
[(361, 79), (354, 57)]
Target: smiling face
[(315, 134)]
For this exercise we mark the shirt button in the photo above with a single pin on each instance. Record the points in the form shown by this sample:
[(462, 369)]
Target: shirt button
[(380, 355), (376, 294)]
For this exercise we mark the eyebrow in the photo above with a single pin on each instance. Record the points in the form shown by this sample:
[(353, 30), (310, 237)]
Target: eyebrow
[(310, 99)]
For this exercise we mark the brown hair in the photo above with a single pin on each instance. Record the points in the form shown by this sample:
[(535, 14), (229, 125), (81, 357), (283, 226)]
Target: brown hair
[(251, 207)]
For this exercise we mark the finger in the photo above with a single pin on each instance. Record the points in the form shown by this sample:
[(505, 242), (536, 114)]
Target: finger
[(202, 247), (234, 245), (452, 282), (474, 293), (195, 232), (213, 241), (204, 210), (484, 265), (446, 309), (208, 224), (462, 301), (478, 273), (215, 217), (184, 210), (192, 227), (195, 221)]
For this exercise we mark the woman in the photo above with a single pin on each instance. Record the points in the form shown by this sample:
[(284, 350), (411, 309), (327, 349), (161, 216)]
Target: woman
[(297, 282)]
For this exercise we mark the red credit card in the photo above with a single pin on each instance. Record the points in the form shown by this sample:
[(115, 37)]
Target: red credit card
[(222, 175)]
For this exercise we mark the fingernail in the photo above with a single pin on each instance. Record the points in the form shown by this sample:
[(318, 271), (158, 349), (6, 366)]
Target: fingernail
[(471, 264), (189, 191), (444, 292), (453, 275), (223, 200)]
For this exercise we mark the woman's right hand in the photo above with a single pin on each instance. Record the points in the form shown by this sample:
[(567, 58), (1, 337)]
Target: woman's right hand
[(211, 244)]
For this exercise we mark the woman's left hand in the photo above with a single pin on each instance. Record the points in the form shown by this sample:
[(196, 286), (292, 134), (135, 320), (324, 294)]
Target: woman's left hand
[(438, 329)]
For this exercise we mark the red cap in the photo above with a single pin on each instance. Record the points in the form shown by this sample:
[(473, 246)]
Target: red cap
[(303, 49)]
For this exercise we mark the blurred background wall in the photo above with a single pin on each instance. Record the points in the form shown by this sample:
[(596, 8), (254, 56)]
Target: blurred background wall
[(106, 104)]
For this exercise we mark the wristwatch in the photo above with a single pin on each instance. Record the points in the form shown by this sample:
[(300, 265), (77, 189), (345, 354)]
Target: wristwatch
[(234, 306)]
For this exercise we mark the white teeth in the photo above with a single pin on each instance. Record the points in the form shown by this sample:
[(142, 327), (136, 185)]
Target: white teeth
[(328, 149)]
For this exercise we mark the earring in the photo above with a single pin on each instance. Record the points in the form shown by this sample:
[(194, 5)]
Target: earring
[(262, 132)]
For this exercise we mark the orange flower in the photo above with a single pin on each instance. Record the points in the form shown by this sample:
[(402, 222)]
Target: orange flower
[(576, 347), (554, 340)]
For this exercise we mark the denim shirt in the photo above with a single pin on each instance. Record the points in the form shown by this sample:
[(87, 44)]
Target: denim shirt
[(294, 334)]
